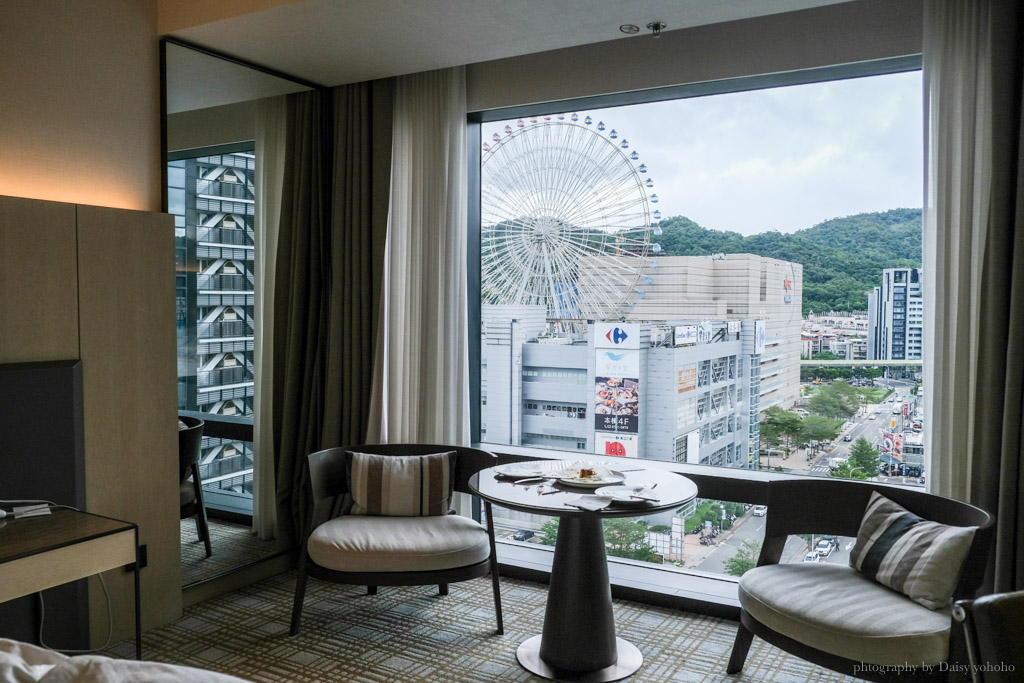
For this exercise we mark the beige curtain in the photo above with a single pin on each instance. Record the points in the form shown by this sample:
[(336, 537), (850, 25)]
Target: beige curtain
[(421, 391), (974, 264), (271, 121)]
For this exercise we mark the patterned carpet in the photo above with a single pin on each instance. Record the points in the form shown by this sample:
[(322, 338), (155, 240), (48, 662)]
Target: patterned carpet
[(412, 634), (233, 545)]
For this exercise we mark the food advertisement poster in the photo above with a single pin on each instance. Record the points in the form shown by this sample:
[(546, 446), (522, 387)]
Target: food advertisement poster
[(617, 391), (621, 445)]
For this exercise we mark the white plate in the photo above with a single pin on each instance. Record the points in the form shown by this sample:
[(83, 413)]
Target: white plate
[(518, 470), (623, 495), (593, 482)]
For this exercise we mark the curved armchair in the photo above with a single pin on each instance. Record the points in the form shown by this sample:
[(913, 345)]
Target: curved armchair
[(190, 488), (392, 551), (991, 626), (833, 615)]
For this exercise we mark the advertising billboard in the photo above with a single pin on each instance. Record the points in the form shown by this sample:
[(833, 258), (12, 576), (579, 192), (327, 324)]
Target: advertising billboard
[(685, 335), (617, 391), (620, 445), (760, 336)]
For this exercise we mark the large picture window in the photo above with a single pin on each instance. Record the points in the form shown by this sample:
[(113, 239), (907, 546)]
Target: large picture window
[(703, 281)]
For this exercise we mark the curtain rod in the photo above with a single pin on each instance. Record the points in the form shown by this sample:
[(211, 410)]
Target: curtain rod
[(241, 62)]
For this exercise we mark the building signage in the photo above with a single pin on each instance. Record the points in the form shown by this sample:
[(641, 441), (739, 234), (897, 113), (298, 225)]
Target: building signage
[(686, 378), (621, 445), (685, 335), (617, 391), (704, 332), (760, 336), (616, 336), (906, 410)]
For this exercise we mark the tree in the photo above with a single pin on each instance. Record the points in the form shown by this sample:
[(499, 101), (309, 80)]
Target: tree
[(744, 560), (825, 355), (845, 470), (838, 400), (819, 428), (622, 537), (864, 457), (781, 427)]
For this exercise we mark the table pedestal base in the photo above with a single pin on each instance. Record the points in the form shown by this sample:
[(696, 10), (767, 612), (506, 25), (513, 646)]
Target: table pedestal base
[(629, 660)]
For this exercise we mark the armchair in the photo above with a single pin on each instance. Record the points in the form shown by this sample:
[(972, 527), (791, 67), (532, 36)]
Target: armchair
[(190, 488), (833, 615), (992, 628), (390, 550)]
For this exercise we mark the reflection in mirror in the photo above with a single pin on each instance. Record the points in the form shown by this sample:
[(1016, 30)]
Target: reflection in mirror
[(212, 194)]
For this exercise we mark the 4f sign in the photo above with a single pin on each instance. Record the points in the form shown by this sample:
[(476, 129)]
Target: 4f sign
[(616, 336)]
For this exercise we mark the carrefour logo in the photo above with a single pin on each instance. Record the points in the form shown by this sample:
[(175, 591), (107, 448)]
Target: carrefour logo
[(616, 336)]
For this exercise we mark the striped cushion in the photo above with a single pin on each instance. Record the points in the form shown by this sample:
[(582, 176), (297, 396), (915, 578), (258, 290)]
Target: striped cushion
[(401, 485), (914, 556)]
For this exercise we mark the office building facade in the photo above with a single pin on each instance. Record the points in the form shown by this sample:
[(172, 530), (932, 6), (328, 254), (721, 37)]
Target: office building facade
[(896, 316)]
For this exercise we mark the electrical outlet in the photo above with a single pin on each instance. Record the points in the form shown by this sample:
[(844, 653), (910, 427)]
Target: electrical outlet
[(143, 557)]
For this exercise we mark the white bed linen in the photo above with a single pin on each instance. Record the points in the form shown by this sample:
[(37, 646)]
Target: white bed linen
[(24, 663)]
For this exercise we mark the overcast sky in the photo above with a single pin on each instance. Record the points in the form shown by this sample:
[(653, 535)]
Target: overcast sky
[(784, 158)]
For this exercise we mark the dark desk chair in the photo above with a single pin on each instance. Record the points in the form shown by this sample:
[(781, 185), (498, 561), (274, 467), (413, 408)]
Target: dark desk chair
[(836, 617), (190, 441), (388, 550), (992, 625)]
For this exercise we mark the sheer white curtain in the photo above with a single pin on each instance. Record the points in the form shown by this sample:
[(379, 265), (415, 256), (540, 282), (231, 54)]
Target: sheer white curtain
[(958, 100), (421, 391), (271, 129)]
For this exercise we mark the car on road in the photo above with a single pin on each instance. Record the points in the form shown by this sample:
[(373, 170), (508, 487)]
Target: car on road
[(812, 557), (824, 548), (848, 437), (522, 535), (759, 510)]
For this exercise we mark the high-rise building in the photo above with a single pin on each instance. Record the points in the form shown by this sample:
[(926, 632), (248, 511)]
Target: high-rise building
[(686, 391), (212, 199), (736, 286), (896, 316)]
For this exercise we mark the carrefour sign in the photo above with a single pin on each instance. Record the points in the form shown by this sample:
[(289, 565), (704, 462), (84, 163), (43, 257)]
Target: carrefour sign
[(616, 336)]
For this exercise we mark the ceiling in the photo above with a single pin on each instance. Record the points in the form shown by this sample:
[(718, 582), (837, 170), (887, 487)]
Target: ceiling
[(331, 42)]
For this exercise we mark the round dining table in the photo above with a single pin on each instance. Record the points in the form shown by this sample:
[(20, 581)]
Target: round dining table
[(578, 641)]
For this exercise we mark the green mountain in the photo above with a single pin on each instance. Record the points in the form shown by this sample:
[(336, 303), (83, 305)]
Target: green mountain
[(843, 258)]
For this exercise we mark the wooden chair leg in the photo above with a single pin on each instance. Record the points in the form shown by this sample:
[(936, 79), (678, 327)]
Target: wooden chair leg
[(371, 590), (442, 589), (300, 594), (739, 650), (494, 569)]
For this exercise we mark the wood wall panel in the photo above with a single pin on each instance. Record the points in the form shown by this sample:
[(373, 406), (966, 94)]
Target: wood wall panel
[(38, 281), (127, 311)]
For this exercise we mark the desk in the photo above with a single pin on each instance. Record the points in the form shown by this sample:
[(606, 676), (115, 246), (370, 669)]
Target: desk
[(37, 553), (578, 642)]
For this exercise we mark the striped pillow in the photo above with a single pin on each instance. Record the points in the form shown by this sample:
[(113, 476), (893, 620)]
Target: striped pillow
[(914, 556), (401, 485)]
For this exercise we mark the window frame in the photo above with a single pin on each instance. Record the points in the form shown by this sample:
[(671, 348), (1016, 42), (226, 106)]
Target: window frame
[(724, 483)]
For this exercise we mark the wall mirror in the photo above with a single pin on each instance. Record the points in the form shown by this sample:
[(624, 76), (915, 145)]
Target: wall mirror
[(211, 191)]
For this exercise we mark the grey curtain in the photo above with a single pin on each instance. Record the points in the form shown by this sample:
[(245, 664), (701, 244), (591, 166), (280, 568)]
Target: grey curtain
[(998, 483), (974, 264), (326, 270)]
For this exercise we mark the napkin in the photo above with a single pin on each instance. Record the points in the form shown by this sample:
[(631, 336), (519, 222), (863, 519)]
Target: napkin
[(590, 503)]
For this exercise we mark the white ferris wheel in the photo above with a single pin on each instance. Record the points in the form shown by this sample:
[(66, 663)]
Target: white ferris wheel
[(566, 219)]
